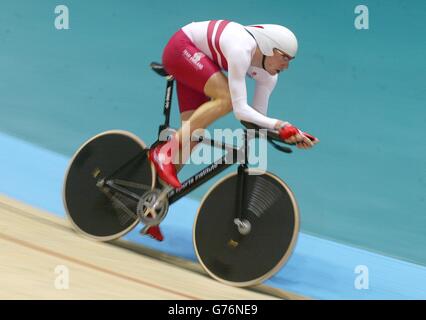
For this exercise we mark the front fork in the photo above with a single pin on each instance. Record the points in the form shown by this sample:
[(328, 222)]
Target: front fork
[(241, 221)]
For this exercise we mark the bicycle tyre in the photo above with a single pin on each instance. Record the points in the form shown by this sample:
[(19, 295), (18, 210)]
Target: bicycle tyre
[(247, 260)]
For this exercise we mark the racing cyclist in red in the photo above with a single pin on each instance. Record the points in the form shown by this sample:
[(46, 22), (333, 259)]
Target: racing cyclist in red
[(197, 56)]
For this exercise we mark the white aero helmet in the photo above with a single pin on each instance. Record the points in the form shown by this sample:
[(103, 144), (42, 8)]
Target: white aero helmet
[(270, 36)]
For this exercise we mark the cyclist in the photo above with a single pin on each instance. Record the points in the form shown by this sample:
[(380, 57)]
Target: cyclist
[(197, 56)]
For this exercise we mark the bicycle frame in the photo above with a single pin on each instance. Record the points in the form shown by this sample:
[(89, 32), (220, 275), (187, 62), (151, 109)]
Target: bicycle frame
[(197, 179), (194, 181), (208, 172)]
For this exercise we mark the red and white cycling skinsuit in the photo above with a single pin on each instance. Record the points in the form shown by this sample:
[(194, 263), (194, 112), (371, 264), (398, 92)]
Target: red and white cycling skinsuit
[(200, 49)]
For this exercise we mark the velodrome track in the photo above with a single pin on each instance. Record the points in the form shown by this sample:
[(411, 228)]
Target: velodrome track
[(33, 243)]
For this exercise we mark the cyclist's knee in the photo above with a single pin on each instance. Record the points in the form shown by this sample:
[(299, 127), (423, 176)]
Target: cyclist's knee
[(217, 88), (225, 105)]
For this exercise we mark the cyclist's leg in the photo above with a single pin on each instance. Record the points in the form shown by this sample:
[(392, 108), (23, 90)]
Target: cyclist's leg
[(219, 104), (184, 116), (201, 86), (189, 100)]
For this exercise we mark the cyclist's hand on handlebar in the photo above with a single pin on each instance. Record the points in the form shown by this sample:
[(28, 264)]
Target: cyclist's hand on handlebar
[(291, 134)]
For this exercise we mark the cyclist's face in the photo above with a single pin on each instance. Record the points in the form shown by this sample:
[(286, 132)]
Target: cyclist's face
[(278, 62)]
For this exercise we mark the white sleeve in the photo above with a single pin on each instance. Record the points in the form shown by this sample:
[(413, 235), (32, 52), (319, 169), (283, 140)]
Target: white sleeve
[(238, 65), (265, 84)]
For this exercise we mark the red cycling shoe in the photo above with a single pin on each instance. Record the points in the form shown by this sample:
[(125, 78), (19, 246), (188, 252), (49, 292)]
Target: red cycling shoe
[(164, 167)]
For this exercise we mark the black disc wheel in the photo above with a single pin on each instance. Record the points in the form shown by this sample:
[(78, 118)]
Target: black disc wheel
[(94, 209), (246, 258)]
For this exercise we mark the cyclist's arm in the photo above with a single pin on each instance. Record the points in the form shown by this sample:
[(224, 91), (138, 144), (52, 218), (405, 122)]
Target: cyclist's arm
[(265, 84), (239, 63)]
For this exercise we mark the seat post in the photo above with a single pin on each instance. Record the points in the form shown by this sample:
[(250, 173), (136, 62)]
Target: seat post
[(167, 103)]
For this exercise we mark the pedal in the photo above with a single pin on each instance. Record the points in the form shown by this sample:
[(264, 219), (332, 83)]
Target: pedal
[(152, 231)]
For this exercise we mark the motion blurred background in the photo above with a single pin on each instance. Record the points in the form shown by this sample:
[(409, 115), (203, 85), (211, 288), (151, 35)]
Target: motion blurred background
[(362, 92)]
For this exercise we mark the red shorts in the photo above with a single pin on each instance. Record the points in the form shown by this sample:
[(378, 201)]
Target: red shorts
[(191, 68)]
